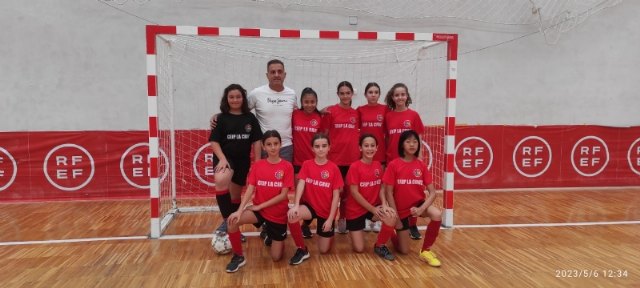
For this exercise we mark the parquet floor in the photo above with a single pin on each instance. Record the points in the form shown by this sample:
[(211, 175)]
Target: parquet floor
[(472, 257)]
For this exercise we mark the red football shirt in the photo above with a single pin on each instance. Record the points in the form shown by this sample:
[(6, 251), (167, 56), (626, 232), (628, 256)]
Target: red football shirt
[(398, 122), (372, 122), (320, 181), (269, 180), (304, 126), (409, 181), (368, 178), (343, 126)]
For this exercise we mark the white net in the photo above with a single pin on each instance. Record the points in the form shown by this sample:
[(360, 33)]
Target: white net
[(551, 17), (193, 71)]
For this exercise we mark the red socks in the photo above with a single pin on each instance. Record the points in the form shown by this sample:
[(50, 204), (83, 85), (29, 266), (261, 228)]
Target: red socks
[(432, 233), (413, 221), (296, 234), (386, 232), (236, 243)]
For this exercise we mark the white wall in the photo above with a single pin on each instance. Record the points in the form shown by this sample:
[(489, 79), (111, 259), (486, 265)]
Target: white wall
[(80, 65)]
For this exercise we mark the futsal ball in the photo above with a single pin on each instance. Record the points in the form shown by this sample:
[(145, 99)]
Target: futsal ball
[(220, 243)]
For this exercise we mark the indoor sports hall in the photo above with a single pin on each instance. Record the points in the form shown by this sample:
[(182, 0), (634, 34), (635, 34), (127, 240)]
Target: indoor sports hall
[(531, 134)]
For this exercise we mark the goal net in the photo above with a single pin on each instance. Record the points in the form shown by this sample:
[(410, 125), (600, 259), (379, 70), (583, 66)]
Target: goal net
[(191, 70)]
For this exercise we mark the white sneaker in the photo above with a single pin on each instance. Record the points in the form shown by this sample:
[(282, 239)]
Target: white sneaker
[(376, 226), (367, 225)]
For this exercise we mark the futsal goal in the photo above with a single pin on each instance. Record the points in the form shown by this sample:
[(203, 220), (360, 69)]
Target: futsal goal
[(188, 67)]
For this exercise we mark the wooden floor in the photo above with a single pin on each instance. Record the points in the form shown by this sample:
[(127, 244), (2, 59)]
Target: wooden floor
[(508, 256)]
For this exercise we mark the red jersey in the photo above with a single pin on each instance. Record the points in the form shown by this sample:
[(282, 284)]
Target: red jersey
[(368, 178), (409, 181), (372, 122), (398, 122), (320, 181), (304, 126), (343, 126), (269, 179)]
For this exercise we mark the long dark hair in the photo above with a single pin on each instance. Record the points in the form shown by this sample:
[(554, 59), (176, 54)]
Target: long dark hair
[(320, 136), (403, 137), (224, 103), (389, 98)]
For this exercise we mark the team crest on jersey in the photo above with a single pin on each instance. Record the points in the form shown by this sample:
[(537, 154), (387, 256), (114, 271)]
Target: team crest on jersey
[(377, 173), (324, 174), (407, 123), (353, 120), (379, 117), (417, 173), (279, 174), (313, 122), (247, 128)]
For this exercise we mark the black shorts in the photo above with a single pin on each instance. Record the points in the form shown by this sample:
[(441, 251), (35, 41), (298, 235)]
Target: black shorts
[(319, 223), (240, 169), (276, 231), (405, 221), (358, 224)]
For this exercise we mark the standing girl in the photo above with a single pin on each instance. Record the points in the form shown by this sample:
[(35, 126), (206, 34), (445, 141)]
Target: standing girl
[(317, 195), (306, 122), (231, 140), (397, 121), (341, 123), (366, 199), (269, 182), (372, 117), (410, 191)]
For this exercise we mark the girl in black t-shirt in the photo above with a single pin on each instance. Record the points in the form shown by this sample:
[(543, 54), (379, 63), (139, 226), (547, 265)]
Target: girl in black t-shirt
[(237, 130)]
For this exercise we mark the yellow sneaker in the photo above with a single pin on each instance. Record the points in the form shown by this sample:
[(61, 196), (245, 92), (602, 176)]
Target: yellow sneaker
[(430, 258)]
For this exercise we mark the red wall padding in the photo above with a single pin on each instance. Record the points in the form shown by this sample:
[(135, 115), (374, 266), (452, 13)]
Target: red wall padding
[(487, 157)]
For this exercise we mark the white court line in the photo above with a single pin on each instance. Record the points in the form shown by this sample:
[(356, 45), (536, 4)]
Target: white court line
[(254, 234), (73, 240)]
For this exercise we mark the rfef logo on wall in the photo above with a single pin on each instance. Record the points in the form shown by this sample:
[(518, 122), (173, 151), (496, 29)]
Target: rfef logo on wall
[(203, 165), (69, 167), (8, 169), (134, 165), (589, 156), (633, 156), (532, 156), (474, 157)]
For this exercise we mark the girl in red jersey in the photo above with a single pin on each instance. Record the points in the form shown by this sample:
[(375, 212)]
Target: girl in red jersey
[(364, 202), (397, 121), (341, 123), (410, 191), (317, 195), (306, 122), (268, 182), (372, 117)]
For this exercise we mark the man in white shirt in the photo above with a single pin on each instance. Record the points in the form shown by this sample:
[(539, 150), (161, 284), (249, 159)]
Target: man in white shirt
[(274, 104)]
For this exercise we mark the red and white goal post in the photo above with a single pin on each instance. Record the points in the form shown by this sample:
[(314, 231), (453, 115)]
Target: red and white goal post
[(188, 68)]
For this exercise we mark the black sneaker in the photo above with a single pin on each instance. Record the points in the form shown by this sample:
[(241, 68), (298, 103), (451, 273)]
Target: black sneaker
[(299, 257), (267, 241), (414, 233), (306, 232), (236, 262), (384, 252)]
